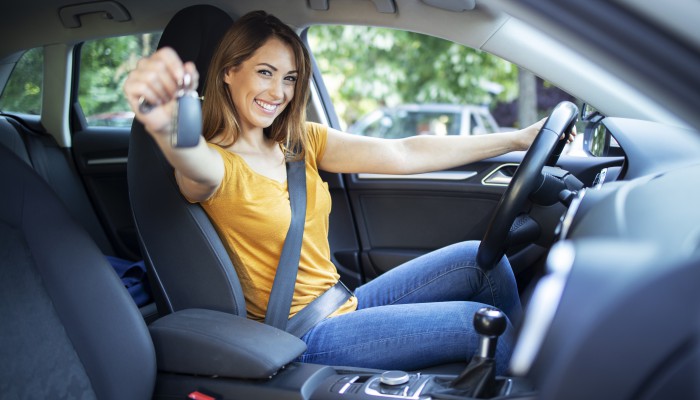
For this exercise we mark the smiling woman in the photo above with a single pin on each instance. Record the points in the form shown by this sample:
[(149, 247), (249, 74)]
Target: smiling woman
[(259, 100), (254, 119), (613, 260)]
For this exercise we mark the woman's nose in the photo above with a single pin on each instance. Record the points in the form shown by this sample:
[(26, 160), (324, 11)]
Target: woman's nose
[(277, 89)]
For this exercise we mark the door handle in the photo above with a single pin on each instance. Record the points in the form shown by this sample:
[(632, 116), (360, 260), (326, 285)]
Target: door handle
[(501, 176)]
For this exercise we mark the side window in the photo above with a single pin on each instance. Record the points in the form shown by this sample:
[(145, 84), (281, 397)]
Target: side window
[(104, 65), (391, 83), (22, 93)]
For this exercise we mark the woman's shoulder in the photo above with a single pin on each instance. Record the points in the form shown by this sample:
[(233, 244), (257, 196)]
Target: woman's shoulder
[(314, 128), (316, 138)]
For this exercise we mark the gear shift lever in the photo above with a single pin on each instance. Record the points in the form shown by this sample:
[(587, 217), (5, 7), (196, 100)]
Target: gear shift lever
[(490, 323), (479, 378)]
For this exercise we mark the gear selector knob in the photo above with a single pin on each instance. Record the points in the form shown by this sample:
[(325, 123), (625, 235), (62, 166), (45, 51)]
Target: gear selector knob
[(490, 323)]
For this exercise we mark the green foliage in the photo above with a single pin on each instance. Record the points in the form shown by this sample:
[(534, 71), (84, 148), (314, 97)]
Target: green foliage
[(23, 90), (365, 68), (104, 65)]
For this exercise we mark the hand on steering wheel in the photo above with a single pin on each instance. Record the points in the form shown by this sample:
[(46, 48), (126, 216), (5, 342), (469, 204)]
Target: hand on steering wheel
[(545, 150)]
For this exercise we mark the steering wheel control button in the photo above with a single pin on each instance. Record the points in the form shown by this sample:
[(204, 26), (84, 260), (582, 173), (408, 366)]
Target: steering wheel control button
[(394, 378)]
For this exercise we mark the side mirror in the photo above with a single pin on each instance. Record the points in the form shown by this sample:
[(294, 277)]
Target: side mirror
[(596, 139), (588, 112)]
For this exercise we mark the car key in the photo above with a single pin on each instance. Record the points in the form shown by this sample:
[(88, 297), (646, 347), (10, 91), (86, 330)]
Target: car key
[(187, 118)]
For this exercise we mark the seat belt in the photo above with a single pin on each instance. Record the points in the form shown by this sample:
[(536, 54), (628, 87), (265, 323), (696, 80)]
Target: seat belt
[(280, 302)]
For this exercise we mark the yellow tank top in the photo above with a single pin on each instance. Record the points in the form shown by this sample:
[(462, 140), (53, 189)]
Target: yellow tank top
[(251, 213)]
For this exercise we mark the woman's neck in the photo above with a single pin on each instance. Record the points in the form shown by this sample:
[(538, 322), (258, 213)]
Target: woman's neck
[(254, 143)]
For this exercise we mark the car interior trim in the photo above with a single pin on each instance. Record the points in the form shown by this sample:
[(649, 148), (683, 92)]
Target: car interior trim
[(57, 86), (70, 15), (542, 308), (438, 176), (499, 176), (107, 161), (568, 217)]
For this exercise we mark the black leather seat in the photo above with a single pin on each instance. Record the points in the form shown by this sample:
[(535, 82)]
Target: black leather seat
[(187, 262), (53, 163), (68, 329)]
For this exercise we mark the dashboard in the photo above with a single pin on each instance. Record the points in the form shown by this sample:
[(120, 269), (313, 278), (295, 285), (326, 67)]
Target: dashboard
[(615, 308)]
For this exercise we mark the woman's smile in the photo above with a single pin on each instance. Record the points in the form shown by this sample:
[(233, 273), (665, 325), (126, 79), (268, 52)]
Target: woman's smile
[(267, 107)]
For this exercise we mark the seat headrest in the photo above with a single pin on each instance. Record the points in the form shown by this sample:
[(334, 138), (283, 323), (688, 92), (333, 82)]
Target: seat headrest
[(194, 33)]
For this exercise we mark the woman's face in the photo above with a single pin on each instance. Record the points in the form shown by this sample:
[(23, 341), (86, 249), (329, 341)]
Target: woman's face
[(262, 86)]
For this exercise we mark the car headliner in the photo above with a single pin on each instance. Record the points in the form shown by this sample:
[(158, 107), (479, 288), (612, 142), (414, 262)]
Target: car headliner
[(568, 62)]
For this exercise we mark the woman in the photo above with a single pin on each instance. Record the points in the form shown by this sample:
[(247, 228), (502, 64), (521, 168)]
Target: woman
[(416, 315)]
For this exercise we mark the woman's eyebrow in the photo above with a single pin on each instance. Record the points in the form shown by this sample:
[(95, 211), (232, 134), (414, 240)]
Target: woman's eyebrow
[(272, 67)]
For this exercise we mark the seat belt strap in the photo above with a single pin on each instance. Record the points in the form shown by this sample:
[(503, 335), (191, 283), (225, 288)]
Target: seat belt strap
[(280, 301), (316, 311)]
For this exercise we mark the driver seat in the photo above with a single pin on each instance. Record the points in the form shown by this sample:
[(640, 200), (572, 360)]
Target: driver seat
[(187, 262)]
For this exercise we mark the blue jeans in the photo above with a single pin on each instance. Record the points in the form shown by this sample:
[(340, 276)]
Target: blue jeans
[(419, 314)]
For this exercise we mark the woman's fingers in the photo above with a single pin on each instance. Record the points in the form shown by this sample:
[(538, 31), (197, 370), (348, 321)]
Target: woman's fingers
[(153, 85), (572, 135), (156, 79), (191, 71)]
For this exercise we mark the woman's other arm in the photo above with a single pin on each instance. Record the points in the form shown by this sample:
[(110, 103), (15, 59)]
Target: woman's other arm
[(347, 153)]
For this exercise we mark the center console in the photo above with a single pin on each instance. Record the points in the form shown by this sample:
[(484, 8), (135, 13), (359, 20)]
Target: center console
[(317, 382), (350, 386), (477, 381)]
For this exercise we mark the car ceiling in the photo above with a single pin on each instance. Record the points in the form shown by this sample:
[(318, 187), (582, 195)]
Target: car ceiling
[(654, 46), (486, 27)]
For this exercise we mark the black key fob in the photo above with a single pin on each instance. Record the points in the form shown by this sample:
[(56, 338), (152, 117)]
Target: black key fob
[(187, 121)]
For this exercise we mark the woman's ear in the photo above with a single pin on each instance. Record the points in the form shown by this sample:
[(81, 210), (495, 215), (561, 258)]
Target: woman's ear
[(228, 75)]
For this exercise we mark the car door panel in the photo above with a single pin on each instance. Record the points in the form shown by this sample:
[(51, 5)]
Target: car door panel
[(400, 218), (101, 157), (342, 235)]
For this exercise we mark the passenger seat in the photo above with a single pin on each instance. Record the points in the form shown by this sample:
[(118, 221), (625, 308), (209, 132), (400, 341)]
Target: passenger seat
[(69, 328), (55, 166)]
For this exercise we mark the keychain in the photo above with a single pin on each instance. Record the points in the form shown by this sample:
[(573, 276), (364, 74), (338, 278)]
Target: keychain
[(187, 118)]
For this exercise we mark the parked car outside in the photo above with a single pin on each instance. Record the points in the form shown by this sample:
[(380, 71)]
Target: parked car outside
[(426, 119), (116, 118)]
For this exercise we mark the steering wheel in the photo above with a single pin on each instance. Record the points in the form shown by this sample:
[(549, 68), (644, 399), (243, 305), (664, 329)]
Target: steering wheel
[(545, 150)]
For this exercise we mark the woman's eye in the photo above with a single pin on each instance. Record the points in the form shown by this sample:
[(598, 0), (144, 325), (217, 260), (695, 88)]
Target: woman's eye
[(265, 72), (290, 78)]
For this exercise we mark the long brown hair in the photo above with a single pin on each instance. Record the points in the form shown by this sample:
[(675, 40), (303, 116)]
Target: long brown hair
[(239, 44)]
